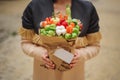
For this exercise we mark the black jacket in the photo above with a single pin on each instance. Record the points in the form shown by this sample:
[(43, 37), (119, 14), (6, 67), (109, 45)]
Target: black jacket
[(38, 10)]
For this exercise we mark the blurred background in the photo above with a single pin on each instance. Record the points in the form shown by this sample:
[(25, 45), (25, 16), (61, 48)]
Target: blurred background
[(15, 65)]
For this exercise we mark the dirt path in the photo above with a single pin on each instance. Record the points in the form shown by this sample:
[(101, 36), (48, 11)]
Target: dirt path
[(14, 65)]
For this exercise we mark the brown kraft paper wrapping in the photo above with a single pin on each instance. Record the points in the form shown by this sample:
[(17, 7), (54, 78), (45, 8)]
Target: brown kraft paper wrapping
[(53, 43)]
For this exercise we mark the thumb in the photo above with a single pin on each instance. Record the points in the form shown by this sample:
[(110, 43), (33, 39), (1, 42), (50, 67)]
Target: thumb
[(46, 55), (75, 54)]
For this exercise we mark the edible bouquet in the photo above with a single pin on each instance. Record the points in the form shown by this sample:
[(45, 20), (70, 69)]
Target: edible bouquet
[(58, 34)]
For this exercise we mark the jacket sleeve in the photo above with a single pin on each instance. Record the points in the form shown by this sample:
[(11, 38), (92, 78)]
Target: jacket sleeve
[(32, 50), (27, 18), (93, 37), (27, 33), (92, 47), (89, 52), (94, 21)]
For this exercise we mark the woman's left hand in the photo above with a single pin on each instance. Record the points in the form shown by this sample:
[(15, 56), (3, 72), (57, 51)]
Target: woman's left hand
[(75, 59)]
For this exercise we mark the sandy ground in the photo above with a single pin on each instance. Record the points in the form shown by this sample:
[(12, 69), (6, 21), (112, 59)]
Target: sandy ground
[(15, 65)]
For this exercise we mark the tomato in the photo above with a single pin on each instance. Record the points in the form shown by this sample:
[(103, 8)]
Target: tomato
[(58, 24), (81, 25), (61, 21), (65, 24), (47, 19)]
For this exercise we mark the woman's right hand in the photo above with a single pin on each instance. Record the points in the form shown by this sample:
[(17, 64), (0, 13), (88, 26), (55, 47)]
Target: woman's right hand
[(34, 51), (47, 62)]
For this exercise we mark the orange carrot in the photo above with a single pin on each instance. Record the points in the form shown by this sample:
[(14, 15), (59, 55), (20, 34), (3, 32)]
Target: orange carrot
[(69, 29), (60, 16), (66, 17), (72, 24), (44, 23)]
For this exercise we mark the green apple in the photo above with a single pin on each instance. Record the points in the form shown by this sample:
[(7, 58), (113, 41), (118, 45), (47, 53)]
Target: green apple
[(42, 30), (52, 28), (47, 27), (76, 30), (49, 35), (68, 36), (74, 35), (78, 27), (75, 21), (52, 25), (52, 33), (42, 34), (68, 21)]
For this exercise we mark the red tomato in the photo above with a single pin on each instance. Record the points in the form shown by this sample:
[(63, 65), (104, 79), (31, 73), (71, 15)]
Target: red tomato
[(47, 19), (58, 24), (81, 25), (62, 20), (65, 24)]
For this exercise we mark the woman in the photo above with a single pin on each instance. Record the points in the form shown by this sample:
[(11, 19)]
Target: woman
[(89, 39)]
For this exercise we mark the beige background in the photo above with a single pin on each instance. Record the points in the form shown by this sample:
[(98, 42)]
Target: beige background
[(14, 65)]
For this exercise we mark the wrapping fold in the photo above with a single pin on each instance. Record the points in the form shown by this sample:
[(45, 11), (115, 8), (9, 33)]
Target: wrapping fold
[(26, 33), (37, 39), (93, 38), (87, 40), (51, 44), (81, 42)]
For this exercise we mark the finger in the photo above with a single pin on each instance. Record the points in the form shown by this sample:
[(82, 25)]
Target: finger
[(75, 54), (51, 64), (75, 58), (74, 61), (72, 65), (46, 59), (49, 67)]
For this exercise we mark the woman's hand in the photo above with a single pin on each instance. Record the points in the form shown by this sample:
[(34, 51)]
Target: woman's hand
[(75, 59), (47, 62)]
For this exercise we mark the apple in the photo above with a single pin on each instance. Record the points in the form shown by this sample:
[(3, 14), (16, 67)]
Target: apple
[(76, 30), (52, 33), (68, 36), (43, 33), (74, 35), (52, 25), (75, 21), (68, 21), (47, 27), (78, 27)]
